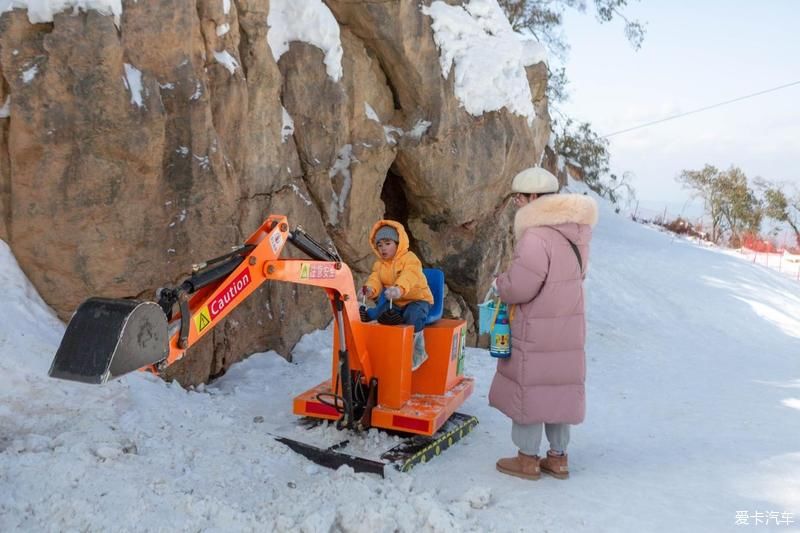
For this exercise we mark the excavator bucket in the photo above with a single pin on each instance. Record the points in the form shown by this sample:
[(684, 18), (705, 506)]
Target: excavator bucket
[(108, 338)]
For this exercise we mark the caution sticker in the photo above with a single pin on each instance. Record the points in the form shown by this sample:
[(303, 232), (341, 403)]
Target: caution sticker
[(317, 271), (202, 319)]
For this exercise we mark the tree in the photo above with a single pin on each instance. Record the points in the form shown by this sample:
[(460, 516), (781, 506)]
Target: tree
[(576, 143), (544, 20), (780, 206), (619, 190), (702, 182), (741, 209), (580, 146), (731, 204)]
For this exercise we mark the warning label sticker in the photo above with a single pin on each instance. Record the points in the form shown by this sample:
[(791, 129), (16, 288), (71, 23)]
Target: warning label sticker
[(202, 319), (276, 241), (229, 293), (317, 271)]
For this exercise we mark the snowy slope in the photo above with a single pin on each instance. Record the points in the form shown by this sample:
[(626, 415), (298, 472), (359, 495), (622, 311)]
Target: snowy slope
[(693, 416)]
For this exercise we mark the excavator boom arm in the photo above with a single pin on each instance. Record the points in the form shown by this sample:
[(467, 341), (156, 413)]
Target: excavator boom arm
[(130, 335)]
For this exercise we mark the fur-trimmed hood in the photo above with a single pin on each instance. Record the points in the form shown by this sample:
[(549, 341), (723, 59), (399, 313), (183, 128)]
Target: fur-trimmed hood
[(555, 209)]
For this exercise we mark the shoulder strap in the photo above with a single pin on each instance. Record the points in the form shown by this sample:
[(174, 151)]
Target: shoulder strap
[(577, 256), (572, 245)]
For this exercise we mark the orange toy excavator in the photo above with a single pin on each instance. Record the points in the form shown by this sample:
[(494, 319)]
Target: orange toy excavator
[(371, 385)]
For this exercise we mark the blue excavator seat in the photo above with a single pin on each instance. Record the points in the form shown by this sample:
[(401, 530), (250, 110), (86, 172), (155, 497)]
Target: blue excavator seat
[(435, 279)]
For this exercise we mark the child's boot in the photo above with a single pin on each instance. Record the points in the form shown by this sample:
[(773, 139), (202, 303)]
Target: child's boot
[(524, 466), (555, 465), (420, 355)]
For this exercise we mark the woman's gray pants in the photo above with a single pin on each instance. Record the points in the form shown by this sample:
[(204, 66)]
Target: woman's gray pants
[(528, 437)]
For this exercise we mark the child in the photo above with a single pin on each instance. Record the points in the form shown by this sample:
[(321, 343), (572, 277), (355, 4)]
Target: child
[(398, 274)]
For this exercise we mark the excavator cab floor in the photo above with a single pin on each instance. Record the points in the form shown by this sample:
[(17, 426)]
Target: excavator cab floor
[(422, 414)]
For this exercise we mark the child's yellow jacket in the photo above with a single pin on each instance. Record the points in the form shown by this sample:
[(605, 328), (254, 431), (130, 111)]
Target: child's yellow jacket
[(404, 270)]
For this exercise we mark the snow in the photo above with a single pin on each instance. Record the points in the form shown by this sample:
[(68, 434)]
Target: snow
[(43, 10), (392, 134), (227, 60), (287, 125), (693, 399), (29, 73), (341, 167), (371, 114), (419, 129), (198, 90), (306, 200), (489, 58), (133, 82), (309, 21), (222, 29), (5, 109)]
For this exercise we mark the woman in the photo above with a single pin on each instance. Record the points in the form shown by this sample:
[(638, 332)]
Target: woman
[(541, 386)]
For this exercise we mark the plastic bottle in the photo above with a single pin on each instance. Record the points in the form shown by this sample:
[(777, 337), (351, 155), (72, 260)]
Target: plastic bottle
[(500, 335)]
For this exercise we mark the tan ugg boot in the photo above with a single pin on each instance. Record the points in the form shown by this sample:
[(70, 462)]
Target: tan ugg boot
[(524, 466), (555, 465)]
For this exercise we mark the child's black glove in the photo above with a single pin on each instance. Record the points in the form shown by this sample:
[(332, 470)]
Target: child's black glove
[(391, 317), (362, 312)]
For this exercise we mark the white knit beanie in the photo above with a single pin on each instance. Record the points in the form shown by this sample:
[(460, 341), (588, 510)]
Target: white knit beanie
[(534, 180)]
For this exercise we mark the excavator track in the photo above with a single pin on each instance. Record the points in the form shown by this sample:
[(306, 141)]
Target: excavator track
[(412, 451)]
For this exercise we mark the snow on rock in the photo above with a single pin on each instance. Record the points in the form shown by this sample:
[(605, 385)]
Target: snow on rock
[(133, 82), (287, 125), (489, 58), (226, 60), (29, 73), (341, 167), (43, 10), (392, 134), (306, 200), (309, 21), (198, 90), (419, 129), (371, 114), (5, 110), (222, 29)]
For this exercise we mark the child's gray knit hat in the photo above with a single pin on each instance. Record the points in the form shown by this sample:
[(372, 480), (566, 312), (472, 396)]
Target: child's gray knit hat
[(387, 232)]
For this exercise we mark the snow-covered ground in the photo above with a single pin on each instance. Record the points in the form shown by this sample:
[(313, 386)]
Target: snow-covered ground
[(784, 262), (693, 422)]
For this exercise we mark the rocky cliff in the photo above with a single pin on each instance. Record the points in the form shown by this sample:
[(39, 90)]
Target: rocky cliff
[(137, 141)]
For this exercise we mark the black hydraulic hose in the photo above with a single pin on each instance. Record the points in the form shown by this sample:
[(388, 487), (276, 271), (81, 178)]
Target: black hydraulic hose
[(200, 279), (344, 368), (183, 304), (303, 242)]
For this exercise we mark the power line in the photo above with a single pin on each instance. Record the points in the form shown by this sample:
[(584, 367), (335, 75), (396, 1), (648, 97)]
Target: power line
[(702, 109)]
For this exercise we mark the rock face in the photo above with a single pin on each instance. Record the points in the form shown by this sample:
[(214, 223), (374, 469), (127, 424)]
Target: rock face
[(130, 151)]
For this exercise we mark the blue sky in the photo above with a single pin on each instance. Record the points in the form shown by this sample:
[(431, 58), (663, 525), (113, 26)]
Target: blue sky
[(694, 54)]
